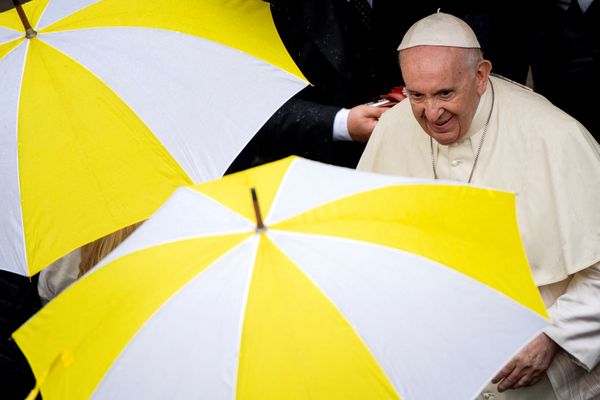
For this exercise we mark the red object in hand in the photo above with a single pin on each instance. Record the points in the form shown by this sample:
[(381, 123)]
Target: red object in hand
[(396, 95)]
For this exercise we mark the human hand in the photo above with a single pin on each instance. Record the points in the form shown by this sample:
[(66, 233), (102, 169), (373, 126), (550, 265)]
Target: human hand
[(362, 120), (527, 367)]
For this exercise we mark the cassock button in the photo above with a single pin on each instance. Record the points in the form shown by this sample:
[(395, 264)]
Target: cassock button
[(456, 163)]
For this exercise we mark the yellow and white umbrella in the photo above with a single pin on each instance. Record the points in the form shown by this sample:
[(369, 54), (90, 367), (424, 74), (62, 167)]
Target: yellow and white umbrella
[(359, 286), (108, 105)]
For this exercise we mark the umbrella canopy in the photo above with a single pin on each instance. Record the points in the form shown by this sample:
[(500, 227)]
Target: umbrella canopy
[(111, 105), (360, 286)]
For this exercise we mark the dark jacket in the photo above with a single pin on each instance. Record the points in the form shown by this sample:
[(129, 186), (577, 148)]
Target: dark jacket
[(19, 300), (347, 62)]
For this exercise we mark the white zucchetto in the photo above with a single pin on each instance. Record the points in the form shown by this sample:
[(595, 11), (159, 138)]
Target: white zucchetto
[(440, 29)]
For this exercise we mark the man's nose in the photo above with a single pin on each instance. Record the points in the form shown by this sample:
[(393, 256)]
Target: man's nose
[(432, 109)]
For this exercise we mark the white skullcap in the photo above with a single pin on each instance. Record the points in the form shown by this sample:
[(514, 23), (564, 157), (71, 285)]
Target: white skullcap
[(440, 29)]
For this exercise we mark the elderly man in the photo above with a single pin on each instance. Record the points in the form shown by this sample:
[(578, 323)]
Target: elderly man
[(460, 123)]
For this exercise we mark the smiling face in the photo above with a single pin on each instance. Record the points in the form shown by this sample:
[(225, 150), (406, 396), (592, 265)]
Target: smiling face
[(444, 85)]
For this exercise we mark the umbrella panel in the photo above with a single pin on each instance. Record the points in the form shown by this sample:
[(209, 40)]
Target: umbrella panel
[(450, 232), (92, 341), (70, 124), (5, 48), (423, 321), (228, 24), (296, 343)]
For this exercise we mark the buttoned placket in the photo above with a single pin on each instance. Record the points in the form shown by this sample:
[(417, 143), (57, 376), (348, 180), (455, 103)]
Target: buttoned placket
[(455, 161)]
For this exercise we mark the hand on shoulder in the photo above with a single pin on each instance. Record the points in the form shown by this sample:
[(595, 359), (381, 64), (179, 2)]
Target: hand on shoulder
[(362, 120)]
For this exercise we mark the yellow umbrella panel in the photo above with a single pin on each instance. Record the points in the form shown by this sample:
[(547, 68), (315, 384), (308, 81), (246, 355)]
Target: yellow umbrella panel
[(111, 105), (359, 286)]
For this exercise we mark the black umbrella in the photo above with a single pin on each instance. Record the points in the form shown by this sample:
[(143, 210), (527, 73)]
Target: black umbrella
[(9, 4)]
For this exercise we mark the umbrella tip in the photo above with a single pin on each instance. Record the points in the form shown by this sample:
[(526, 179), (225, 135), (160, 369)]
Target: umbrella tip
[(260, 227), (30, 33)]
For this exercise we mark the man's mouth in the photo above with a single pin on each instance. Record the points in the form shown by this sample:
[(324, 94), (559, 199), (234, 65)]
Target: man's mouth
[(441, 125), (443, 122)]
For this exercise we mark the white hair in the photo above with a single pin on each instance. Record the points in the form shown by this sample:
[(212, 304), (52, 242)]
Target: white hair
[(473, 57)]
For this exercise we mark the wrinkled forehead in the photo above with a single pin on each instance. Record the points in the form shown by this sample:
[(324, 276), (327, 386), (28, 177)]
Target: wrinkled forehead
[(433, 64), (442, 55)]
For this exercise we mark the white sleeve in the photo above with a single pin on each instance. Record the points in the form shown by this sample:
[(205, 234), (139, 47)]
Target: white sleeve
[(340, 126), (576, 318), (58, 276)]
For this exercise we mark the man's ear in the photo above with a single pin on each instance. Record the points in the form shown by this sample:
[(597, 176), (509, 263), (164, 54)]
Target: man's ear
[(484, 68)]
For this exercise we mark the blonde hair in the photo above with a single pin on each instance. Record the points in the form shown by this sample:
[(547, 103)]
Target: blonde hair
[(93, 252)]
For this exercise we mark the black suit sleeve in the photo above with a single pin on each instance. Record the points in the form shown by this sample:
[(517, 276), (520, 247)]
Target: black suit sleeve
[(300, 127)]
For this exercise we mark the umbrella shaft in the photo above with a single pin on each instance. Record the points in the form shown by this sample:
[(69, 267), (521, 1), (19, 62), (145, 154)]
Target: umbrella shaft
[(259, 221), (29, 32)]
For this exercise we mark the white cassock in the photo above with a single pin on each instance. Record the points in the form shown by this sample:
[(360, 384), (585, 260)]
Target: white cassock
[(553, 164)]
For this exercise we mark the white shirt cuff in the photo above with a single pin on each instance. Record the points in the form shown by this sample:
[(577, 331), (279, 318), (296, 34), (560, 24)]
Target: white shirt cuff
[(340, 126)]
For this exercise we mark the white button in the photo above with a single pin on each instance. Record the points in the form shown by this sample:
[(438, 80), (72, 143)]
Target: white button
[(488, 396), (456, 163)]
